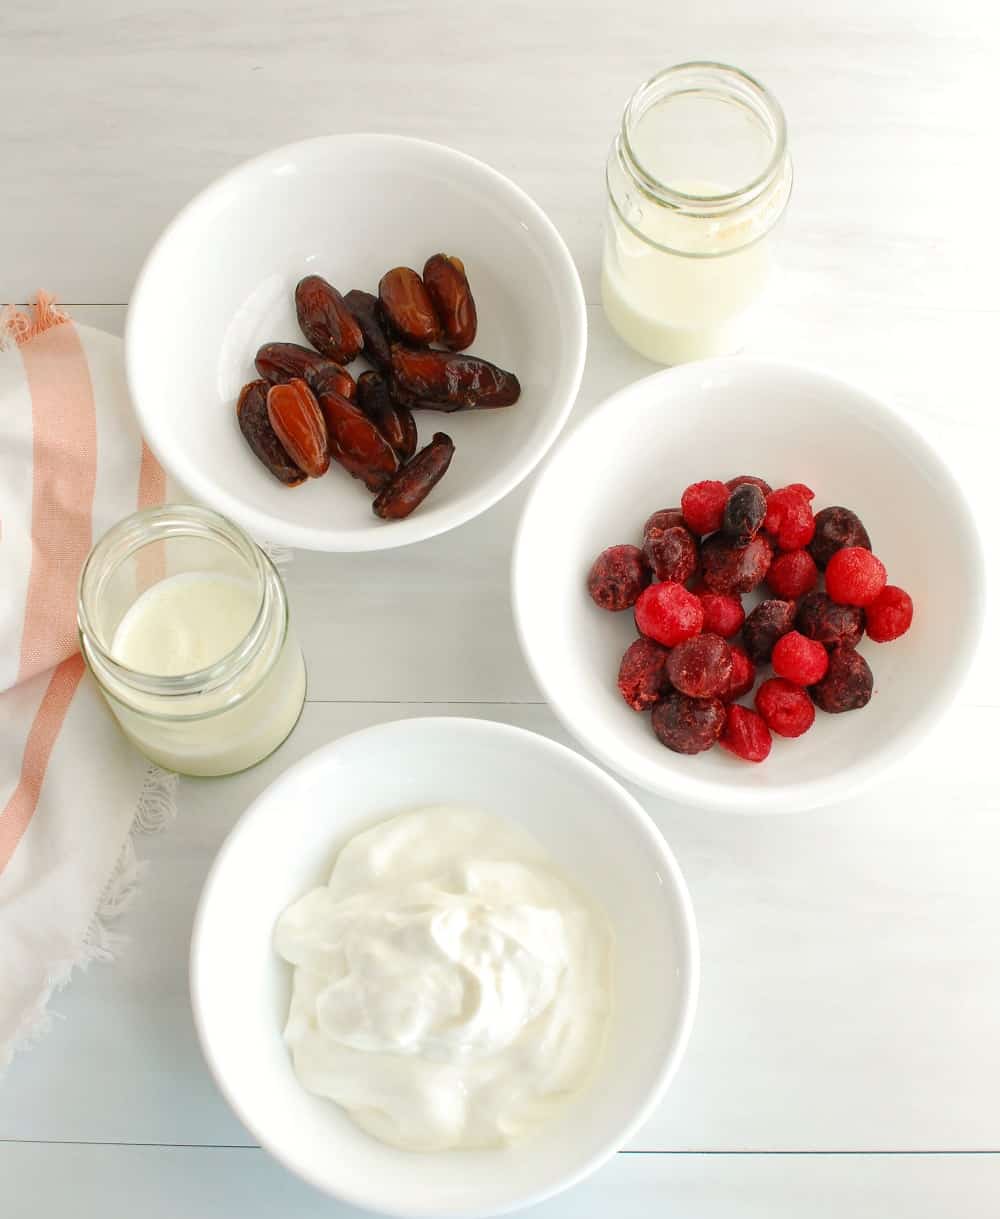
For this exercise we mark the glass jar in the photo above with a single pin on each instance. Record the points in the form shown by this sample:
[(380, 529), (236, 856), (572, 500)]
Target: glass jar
[(235, 711), (697, 177)]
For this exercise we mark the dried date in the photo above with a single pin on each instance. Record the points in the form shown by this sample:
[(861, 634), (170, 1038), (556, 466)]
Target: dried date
[(326, 321), (280, 362), (366, 312), (407, 306), (446, 381), (392, 419), (298, 423), (251, 411), (448, 287), (414, 482), (356, 443)]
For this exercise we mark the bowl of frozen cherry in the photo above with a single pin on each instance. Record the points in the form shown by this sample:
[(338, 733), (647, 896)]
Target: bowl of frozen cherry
[(763, 641)]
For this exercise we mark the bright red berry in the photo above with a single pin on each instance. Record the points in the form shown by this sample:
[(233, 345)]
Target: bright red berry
[(801, 660), (854, 576), (802, 489), (668, 613), (787, 709), (745, 734), (889, 615), (744, 674), (792, 574), (723, 614), (703, 505), (789, 518)]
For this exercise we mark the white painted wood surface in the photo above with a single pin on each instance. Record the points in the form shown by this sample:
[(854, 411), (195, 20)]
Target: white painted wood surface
[(851, 989)]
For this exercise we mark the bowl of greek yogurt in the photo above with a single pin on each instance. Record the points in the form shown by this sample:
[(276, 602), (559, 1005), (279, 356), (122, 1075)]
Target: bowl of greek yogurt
[(444, 967)]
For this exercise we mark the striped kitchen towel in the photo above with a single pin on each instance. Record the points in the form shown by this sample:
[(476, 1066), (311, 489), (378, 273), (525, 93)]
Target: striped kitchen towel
[(72, 463)]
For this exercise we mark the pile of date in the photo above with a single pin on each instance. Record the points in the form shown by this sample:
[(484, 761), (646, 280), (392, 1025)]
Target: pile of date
[(308, 410)]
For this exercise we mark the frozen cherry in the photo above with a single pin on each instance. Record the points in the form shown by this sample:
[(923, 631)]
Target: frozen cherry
[(752, 479), (744, 674), (668, 613), (703, 505), (802, 489), (786, 708), (789, 518), (889, 615), (660, 522), (836, 528), (848, 683), (688, 725), (723, 614), (745, 734), (854, 576), (801, 660), (827, 622), (701, 666), (792, 573), (764, 626), (673, 555), (734, 569), (618, 576), (642, 677), (744, 514)]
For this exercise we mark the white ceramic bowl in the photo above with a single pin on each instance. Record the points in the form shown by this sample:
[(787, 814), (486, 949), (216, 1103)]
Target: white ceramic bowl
[(718, 419), (285, 844), (219, 283)]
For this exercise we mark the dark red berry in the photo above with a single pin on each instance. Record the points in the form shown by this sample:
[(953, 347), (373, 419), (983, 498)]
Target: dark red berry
[(754, 481), (723, 614), (836, 528), (828, 623), (854, 576), (848, 683), (792, 573), (642, 677), (789, 518), (688, 725), (734, 569), (744, 674), (801, 660), (889, 615), (660, 521), (764, 626), (703, 505), (673, 555), (744, 514), (745, 734), (786, 708), (618, 576), (701, 667), (668, 613)]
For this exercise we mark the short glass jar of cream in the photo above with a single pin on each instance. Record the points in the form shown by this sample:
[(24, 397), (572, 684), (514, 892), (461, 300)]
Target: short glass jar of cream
[(184, 624), (698, 176)]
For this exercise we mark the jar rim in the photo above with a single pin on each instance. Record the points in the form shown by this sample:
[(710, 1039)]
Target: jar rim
[(744, 89)]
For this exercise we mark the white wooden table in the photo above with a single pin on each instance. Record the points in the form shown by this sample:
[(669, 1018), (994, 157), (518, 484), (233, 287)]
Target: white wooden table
[(846, 1057)]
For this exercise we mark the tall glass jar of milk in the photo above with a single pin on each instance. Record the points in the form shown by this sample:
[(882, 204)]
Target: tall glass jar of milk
[(184, 624), (698, 176)]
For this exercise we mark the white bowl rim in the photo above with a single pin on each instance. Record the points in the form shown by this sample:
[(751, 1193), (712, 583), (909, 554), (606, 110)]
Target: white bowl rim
[(796, 797), (687, 934), (342, 541)]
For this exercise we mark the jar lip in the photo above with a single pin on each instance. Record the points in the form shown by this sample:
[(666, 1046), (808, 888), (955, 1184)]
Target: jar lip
[(723, 201), (142, 528)]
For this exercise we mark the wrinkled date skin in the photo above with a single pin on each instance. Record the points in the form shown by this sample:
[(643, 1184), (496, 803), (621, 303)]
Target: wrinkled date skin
[(407, 307), (367, 312), (415, 480), (279, 362), (298, 423), (444, 381), (326, 321), (251, 411), (356, 443), (394, 421), (448, 288)]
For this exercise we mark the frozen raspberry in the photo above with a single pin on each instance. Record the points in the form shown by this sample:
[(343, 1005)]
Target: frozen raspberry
[(660, 521), (801, 660), (703, 505), (734, 569), (744, 514), (744, 674), (668, 613), (673, 555), (836, 528), (787, 709), (889, 615), (701, 667), (642, 677), (688, 725), (854, 576), (848, 683), (828, 623), (792, 573), (723, 614), (764, 626), (789, 518), (618, 576), (745, 734), (752, 479)]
